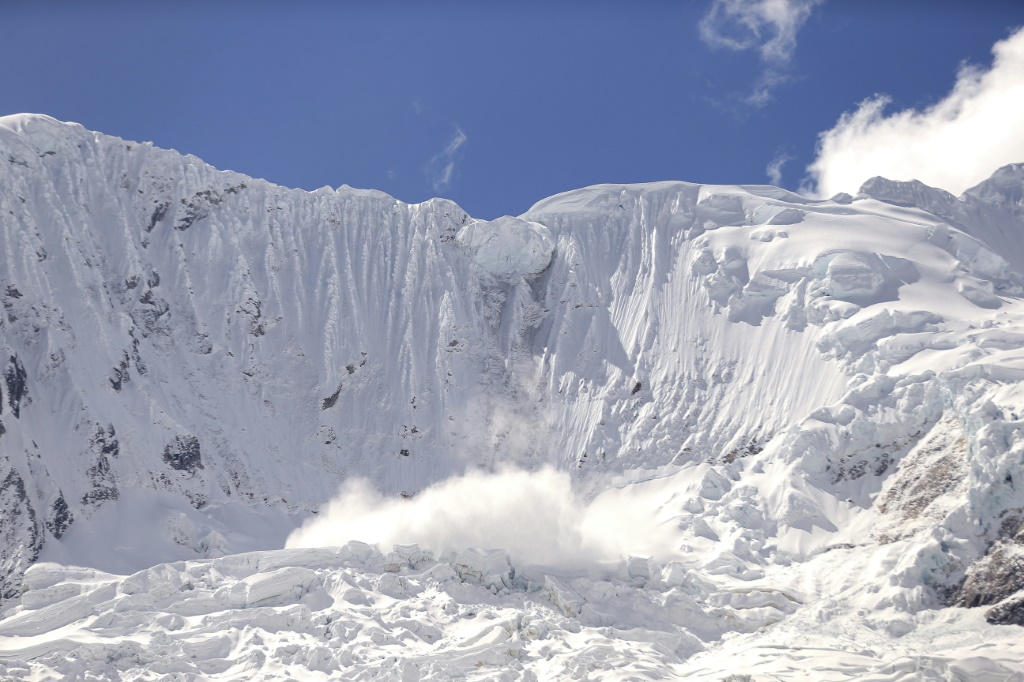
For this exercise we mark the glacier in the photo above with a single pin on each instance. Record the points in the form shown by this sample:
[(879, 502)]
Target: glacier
[(794, 425)]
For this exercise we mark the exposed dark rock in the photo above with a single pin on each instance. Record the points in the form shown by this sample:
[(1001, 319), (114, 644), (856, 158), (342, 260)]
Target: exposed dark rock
[(998, 577), (104, 445), (199, 206), (1012, 525), (252, 308), (882, 463), (104, 487), (159, 213), (12, 291), (875, 460), (120, 375), (17, 387), (352, 366), (936, 466), (20, 536), (196, 499), (140, 364), (183, 454), (105, 441), (193, 213), (60, 516), (752, 448), (919, 492), (636, 388), (993, 578), (1009, 612), (403, 452), (330, 400), (153, 315)]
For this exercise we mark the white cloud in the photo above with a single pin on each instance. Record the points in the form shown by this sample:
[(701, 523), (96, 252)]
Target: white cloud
[(767, 26), (441, 168), (954, 144), (774, 168)]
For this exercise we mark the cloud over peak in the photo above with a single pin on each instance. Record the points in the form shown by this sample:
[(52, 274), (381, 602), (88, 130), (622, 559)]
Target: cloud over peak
[(954, 144)]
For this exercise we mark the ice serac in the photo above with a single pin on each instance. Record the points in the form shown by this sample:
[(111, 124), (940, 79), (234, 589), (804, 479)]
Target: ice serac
[(820, 400), (508, 246)]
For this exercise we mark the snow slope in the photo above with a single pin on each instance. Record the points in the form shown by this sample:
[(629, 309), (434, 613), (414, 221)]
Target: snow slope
[(813, 407)]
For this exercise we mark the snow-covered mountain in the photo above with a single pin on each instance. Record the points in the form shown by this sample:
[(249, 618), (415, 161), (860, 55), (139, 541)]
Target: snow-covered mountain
[(803, 418)]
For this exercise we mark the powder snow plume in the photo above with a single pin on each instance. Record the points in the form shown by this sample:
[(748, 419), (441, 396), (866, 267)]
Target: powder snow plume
[(534, 516)]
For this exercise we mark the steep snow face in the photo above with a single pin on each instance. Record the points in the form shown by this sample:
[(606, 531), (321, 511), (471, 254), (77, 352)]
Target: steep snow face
[(172, 327), (195, 360)]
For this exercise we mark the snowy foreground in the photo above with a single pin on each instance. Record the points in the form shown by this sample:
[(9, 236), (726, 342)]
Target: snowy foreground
[(354, 613), (640, 432)]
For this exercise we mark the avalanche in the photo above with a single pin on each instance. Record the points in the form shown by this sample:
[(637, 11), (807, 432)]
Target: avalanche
[(747, 433)]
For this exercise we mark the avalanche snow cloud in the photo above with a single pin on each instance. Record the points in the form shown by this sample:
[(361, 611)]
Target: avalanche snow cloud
[(658, 430), (533, 516)]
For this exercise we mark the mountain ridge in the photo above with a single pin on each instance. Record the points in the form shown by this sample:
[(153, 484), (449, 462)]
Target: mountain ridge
[(215, 355)]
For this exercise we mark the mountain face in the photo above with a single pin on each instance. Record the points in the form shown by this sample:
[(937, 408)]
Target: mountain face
[(194, 361)]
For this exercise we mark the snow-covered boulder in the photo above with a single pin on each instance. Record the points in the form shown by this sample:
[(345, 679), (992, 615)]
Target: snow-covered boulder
[(508, 246)]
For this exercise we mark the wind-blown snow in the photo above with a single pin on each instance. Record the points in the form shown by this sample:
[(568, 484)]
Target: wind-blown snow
[(767, 435)]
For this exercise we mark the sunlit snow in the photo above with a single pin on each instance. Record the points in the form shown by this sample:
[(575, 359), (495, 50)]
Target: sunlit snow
[(648, 431)]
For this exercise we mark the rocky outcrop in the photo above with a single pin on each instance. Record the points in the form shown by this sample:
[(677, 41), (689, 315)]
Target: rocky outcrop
[(998, 577), (184, 454), (20, 534), (17, 385), (102, 482)]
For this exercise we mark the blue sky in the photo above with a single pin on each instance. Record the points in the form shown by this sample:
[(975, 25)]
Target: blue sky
[(495, 106)]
